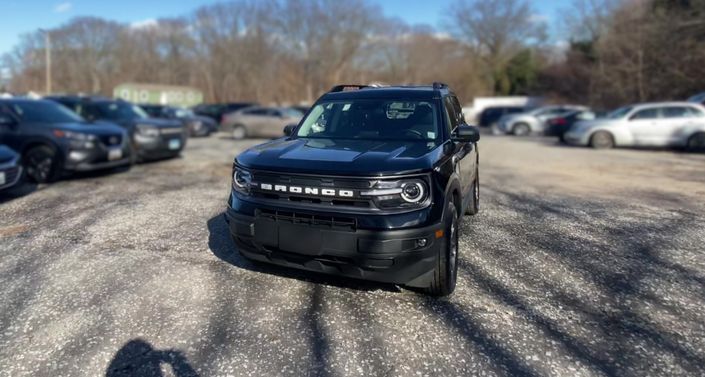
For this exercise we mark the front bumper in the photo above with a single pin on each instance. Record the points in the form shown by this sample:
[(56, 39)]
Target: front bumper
[(163, 146), (314, 244), (84, 160)]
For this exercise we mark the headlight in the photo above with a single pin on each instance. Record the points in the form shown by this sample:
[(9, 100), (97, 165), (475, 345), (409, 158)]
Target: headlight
[(407, 193), (77, 140), (241, 180), (147, 131)]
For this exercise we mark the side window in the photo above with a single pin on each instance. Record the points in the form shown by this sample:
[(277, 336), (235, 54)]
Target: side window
[(678, 112), (89, 112), (257, 112), (646, 114), (451, 116), (696, 113)]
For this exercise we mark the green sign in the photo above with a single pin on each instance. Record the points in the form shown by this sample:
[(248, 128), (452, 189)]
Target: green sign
[(159, 94)]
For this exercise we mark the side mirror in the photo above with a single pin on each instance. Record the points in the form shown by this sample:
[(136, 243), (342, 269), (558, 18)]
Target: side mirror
[(466, 134), (7, 121), (289, 129)]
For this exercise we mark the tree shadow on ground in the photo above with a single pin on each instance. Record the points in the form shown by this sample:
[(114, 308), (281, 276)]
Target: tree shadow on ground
[(624, 260)]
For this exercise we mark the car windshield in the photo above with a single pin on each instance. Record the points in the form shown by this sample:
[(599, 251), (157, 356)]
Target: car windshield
[(620, 113), (290, 112), (183, 113), (372, 119), (121, 111), (44, 112)]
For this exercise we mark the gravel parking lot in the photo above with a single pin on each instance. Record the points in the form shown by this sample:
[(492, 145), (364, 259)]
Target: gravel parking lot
[(581, 262)]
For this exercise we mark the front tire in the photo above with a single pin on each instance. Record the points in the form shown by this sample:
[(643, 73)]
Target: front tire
[(602, 140), (445, 275), (239, 132), (696, 143), (521, 129), (41, 164)]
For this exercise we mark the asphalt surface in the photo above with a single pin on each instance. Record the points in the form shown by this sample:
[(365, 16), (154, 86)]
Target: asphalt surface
[(580, 263)]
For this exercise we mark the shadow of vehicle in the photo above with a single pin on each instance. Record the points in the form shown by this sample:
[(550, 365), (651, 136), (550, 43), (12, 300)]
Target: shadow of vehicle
[(223, 247), (137, 358), (22, 189)]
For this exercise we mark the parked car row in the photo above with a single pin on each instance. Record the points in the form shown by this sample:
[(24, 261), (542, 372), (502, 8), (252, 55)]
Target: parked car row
[(45, 139), (662, 124), (243, 120)]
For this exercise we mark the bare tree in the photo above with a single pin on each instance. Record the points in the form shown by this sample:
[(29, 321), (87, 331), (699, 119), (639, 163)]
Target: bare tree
[(498, 30)]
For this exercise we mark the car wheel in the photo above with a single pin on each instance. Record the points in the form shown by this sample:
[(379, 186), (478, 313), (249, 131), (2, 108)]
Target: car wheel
[(696, 143), (474, 206), (239, 132), (445, 274), (40, 164), (601, 140), (521, 129)]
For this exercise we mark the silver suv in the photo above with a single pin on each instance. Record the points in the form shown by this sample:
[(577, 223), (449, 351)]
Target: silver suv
[(533, 121), (667, 124), (259, 122)]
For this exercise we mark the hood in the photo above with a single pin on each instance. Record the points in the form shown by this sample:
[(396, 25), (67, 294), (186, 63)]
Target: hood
[(98, 128), (7, 154), (342, 157)]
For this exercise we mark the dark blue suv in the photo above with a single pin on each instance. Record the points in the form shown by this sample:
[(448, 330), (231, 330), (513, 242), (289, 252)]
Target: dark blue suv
[(150, 138), (52, 139)]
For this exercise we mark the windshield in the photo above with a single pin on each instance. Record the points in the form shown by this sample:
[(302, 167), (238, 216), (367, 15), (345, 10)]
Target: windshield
[(44, 112), (292, 113), (620, 113), (372, 119), (121, 111), (183, 113)]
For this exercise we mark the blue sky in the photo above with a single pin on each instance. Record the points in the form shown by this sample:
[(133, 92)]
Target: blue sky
[(22, 16)]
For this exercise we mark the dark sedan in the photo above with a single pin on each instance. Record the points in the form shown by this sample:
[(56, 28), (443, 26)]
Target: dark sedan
[(558, 126), (197, 125)]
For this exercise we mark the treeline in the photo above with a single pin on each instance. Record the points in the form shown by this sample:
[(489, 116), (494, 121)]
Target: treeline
[(613, 52)]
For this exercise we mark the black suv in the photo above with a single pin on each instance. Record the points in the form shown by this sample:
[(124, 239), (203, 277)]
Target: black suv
[(371, 184), (197, 125), (52, 139), (150, 138)]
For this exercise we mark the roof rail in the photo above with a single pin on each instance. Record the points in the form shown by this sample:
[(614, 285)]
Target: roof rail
[(440, 85), (348, 88)]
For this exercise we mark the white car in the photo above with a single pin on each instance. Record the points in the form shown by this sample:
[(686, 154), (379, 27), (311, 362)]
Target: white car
[(533, 121), (668, 124)]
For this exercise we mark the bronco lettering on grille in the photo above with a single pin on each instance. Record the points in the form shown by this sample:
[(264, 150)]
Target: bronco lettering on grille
[(307, 190)]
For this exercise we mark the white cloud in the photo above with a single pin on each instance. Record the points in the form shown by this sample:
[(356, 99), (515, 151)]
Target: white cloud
[(144, 24), (63, 7)]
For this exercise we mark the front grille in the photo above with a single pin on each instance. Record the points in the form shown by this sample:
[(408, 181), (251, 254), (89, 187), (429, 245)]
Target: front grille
[(170, 131), (353, 185), (111, 140), (332, 222)]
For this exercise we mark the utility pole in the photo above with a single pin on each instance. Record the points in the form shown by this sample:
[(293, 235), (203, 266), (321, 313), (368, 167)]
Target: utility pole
[(47, 57)]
